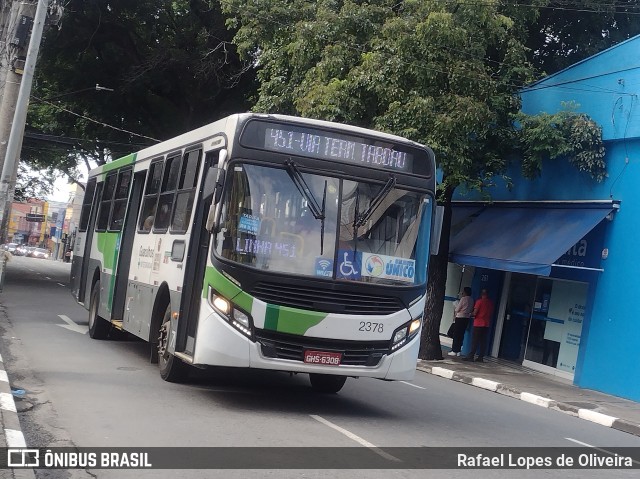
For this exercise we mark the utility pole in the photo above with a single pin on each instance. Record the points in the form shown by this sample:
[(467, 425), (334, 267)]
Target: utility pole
[(14, 144), (5, 16), (16, 41)]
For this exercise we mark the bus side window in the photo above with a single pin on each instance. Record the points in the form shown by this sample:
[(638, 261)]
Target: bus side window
[(120, 200), (186, 192), (86, 205), (148, 211), (105, 202), (148, 217), (167, 194), (162, 215)]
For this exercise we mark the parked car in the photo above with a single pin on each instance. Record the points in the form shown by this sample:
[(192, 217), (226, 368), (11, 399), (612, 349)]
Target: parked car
[(40, 253), (10, 247), (30, 249), (21, 250)]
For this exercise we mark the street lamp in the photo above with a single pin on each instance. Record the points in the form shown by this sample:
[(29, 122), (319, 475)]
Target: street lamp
[(98, 87)]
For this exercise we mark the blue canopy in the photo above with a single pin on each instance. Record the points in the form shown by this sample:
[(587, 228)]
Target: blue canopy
[(519, 239)]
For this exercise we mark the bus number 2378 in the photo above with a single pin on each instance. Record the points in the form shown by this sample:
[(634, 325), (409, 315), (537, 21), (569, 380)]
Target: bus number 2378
[(368, 326)]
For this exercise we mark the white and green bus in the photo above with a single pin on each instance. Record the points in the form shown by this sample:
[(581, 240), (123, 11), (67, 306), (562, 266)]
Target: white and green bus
[(263, 241)]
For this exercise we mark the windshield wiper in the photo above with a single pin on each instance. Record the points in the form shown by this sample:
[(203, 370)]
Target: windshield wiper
[(361, 219), (317, 211)]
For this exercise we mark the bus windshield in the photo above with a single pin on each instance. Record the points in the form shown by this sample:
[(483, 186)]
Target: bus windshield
[(369, 232)]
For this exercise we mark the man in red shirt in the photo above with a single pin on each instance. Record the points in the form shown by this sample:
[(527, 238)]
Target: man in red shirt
[(482, 314)]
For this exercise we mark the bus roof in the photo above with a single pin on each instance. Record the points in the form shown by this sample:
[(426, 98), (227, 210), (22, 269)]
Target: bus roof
[(204, 132)]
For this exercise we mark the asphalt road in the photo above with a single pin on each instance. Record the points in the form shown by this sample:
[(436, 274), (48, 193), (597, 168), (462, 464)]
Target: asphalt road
[(82, 392)]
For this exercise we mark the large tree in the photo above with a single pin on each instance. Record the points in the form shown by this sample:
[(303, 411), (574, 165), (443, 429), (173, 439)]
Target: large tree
[(172, 66), (443, 73), (162, 68), (568, 31)]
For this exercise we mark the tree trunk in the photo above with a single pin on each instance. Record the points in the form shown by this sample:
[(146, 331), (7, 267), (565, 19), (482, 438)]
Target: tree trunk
[(430, 338), (81, 185)]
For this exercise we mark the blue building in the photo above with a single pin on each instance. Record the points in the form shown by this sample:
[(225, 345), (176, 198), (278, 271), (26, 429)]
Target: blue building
[(559, 254)]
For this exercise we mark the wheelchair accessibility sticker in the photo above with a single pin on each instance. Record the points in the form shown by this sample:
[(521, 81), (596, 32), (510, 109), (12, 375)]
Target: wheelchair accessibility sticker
[(349, 265)]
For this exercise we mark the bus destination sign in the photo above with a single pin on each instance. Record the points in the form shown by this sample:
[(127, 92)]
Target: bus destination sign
[(329, 145), (337, 147)]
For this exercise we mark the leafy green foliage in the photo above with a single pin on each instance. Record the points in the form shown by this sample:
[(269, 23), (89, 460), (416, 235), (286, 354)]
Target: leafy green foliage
[(442, 73), (32, 184), (573, 30), (565, 134), (171, 66), (439, 73)]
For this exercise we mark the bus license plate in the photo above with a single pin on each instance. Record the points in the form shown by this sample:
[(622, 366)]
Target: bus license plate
[(324, 358)]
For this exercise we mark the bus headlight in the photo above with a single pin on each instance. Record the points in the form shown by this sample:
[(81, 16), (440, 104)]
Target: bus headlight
[(239, 319), (242, 321), (221, 304), (405, 333)]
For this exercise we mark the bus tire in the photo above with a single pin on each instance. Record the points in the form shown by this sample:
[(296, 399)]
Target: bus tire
[(172, 369), (327, 383), (98, 327)]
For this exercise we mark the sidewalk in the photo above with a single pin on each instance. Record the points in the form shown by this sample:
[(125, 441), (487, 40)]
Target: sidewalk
[(514, 380), (11, 435)]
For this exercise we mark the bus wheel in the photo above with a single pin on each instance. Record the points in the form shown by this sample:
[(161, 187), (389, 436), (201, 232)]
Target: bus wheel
[(172, 369), (98, 327), (327, 383)]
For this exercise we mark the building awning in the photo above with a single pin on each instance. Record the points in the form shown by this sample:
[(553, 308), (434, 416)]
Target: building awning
[(520, 237)]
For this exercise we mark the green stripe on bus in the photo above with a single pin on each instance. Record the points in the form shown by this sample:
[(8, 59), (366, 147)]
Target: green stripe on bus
[(291, 320), (226, 288), (108, 245), (271, 317), (119, 163), (277, 318)]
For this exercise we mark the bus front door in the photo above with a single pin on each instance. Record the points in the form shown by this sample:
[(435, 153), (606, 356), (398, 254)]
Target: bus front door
[(126, 245), (195, 266), (86, 255)]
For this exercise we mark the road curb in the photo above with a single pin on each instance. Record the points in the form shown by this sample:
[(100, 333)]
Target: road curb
[(13, 436), (510, 391)]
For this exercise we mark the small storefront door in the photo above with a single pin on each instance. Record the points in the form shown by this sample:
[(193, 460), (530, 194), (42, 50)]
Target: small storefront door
[(556, 326), (517, 316)]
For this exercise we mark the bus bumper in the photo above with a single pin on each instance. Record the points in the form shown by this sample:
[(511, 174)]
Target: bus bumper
[(225, 346), (399, 366)]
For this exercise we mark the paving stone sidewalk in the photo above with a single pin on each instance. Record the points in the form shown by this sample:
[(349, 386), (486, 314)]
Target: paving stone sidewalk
[(540, 389)]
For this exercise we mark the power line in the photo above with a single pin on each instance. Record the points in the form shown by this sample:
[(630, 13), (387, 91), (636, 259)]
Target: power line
[(106, 125), (68, 140), (60, 95)]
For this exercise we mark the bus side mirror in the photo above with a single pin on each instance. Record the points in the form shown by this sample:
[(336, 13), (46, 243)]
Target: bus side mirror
[(214, 187), (437, 230), (219, 185), (210, 183), (213, 184)]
